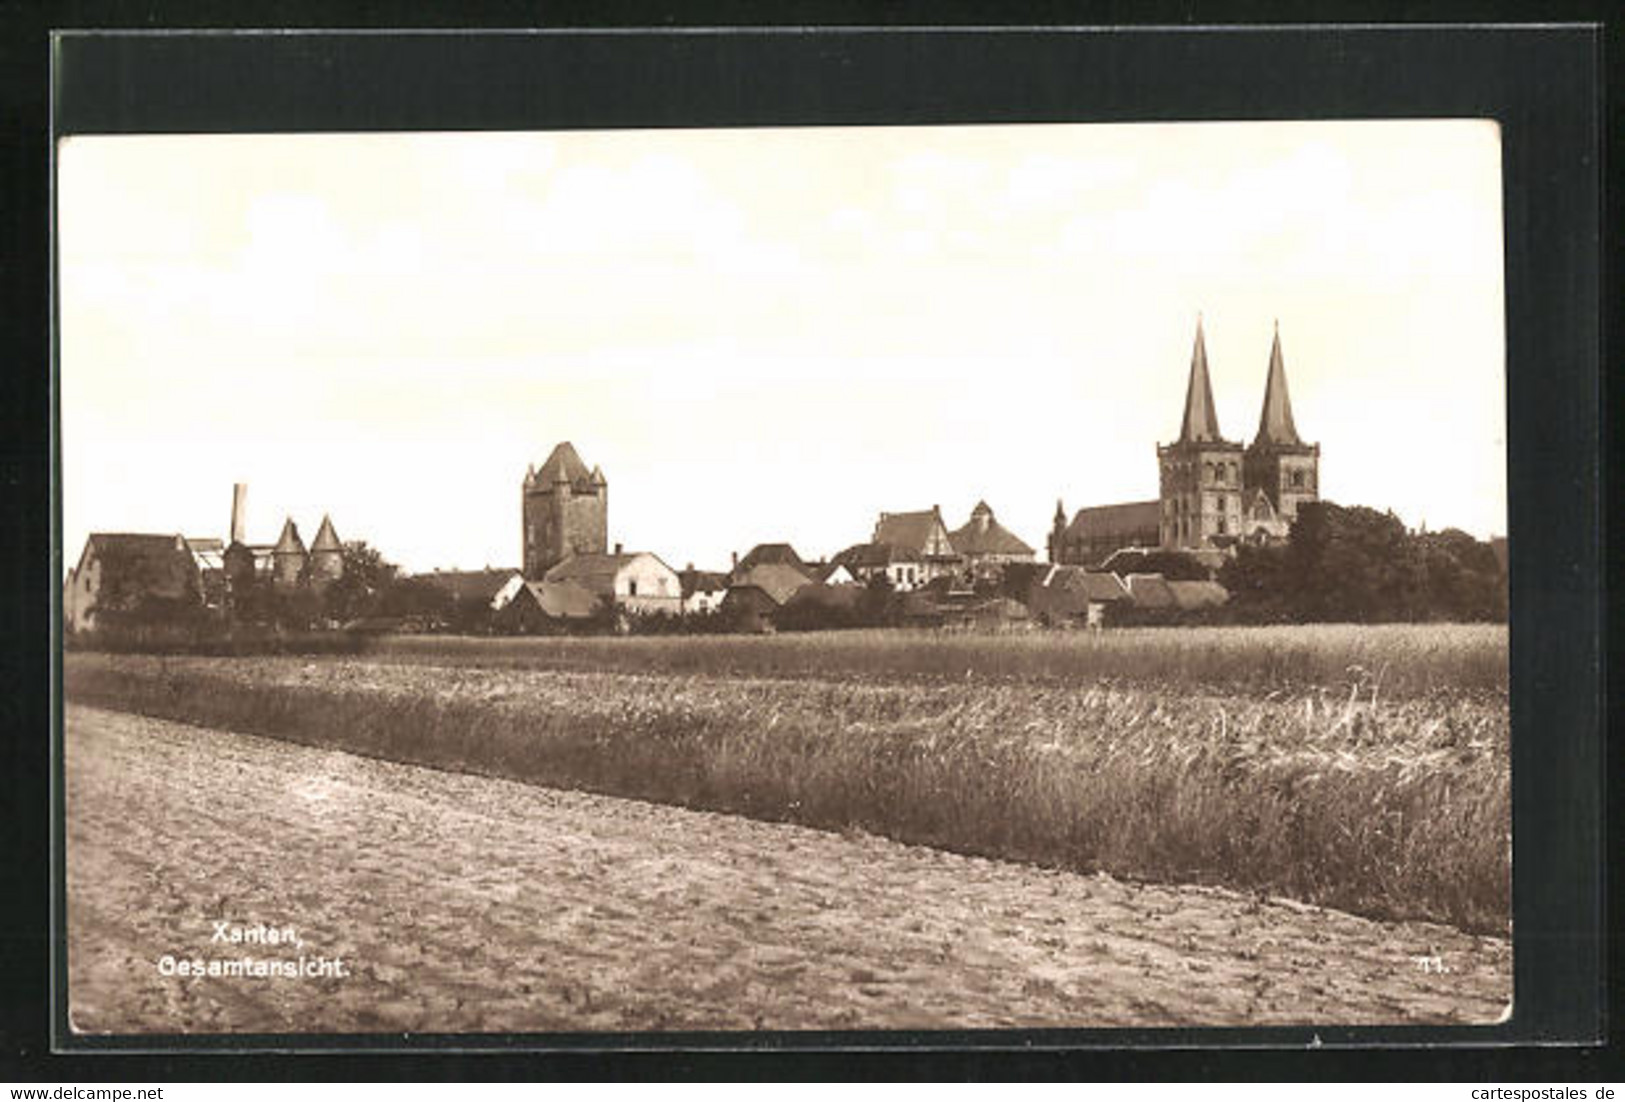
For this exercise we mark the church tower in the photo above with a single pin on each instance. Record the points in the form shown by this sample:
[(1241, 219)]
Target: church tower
[(1201, 471), (1279, 465), (564, 512)]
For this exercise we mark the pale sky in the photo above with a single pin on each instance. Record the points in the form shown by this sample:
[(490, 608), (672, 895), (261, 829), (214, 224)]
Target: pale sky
[(764, 335)]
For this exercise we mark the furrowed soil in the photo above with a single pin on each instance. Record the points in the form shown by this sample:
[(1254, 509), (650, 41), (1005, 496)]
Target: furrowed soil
[(462, 903)]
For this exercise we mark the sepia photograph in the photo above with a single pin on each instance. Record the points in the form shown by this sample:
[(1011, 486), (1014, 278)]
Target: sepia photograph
[(785, 578)]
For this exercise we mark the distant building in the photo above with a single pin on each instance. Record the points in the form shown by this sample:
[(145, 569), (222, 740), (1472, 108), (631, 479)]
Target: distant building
[(564, 511), (122, 572), (288, 557), (210, 555), (902, 568), (326, 563), (772, 554), (287, 564), (983, 542), (1213, 492), (755, 594), (832, 574), (635, 581), (923, 533), (702, 590), (1070, 596), (530, 607), (472, 587), (1095, 533)]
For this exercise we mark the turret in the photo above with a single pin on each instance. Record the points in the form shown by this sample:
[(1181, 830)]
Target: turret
[(326, 555), (1057, 532), (288, 557)]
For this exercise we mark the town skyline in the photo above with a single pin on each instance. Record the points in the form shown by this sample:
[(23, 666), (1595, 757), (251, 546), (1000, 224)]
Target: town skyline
[(764, 335)]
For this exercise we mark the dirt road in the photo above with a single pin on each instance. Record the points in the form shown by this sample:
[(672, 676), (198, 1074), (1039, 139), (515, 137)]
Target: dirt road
[(459, 903)]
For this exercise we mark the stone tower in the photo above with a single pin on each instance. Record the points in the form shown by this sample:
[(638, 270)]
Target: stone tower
[(1201, 471), (288, 557), (1278, 463), (565, 511), (326, 555)]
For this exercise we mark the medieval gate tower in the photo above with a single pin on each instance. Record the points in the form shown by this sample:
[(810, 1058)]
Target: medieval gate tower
[(564, 511)]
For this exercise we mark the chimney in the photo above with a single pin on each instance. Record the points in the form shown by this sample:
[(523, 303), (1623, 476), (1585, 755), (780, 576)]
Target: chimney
[(239, 511), (736, 559), (617, 549)]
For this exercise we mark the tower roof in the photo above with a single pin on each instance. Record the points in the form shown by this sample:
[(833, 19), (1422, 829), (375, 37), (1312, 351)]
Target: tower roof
[(326, 539), (1275, 420), (1201, 422), (564, 465), (289, 542)]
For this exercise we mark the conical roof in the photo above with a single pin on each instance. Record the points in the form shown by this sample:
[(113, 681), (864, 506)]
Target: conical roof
[(326, 539), (289, 542), (564, 465), (1275, 420), (1201, 422)]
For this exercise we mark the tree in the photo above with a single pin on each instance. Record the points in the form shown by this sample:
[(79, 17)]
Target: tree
[(877, 607), (357, 592), (1357, 564)]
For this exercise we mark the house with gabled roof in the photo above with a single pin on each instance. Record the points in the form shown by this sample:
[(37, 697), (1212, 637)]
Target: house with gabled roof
[(923, 533), (127, 572), (532, 607), (1073, 596), (631, 581), (755, 594), (771, 554), (984, 543), (903, 569), (702, 590)]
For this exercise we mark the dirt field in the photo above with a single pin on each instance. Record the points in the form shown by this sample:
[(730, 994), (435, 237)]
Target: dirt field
[(460, 903)]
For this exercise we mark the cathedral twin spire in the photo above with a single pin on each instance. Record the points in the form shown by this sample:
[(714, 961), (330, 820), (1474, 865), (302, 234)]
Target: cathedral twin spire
[(1201, 422)]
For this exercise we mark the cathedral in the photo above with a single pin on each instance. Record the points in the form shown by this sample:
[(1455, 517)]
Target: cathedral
[(1214, 492)]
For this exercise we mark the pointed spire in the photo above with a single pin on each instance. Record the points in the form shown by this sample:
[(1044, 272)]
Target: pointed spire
[(1201, 421), (289, 542), (1060, 512), (563, 465), (598, 478), (1275, 420), (326, 538)]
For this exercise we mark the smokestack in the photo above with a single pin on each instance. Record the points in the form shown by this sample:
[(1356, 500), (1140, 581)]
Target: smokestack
[(239, 511)]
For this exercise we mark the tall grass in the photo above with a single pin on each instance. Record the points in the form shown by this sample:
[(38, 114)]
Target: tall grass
[(1390, 806), (1401, 659)]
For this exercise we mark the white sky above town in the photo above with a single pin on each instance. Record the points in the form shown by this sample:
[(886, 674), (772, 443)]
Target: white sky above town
[(763, 335)]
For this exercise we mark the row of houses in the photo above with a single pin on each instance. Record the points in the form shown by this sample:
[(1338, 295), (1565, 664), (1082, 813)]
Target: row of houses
[(772, 584)]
